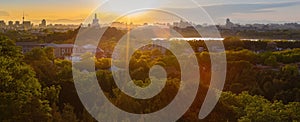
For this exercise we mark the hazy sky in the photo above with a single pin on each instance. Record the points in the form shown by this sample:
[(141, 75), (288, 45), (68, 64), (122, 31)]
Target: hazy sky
[(75, 11)]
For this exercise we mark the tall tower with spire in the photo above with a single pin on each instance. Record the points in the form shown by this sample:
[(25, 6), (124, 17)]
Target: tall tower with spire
[(23, 18), (95, 22), (26, 24)]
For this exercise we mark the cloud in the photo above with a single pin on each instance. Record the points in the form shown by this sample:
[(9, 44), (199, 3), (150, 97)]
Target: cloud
[(221, 11), (4, 13)]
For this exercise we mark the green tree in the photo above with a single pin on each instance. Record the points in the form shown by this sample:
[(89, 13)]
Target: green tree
[(290, 71), (45, 70), (68, 114), (233, 43), (49, 53), (103, 63), (20, 93), (271, 61), (247, 108)]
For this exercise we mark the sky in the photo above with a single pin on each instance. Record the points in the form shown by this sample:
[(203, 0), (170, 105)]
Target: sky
[(76, 11)]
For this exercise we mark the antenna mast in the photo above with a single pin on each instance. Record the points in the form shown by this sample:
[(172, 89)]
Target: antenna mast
[(23, 17)]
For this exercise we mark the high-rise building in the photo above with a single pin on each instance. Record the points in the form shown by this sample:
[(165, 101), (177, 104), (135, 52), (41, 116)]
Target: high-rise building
[(2, 23), (10, 23), (95, 22), (26, 24), (17, 23), (43, 23)]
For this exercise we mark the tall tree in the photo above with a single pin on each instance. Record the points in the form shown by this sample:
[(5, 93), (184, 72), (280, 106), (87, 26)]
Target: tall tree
[(20, 91)]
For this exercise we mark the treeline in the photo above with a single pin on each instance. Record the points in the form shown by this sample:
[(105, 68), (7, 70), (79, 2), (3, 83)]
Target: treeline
[(247, 34), (68, 37), (235, 43), (259, 86), (265, 34), (36, 87)]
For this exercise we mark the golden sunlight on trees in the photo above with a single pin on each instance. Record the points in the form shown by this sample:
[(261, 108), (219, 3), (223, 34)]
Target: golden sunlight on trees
[(20, 94), (248, 108)]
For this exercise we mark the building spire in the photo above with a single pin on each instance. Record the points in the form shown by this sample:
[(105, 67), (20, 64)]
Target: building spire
[(23, 18)]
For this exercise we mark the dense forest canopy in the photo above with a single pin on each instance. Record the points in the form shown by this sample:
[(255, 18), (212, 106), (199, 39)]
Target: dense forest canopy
[(262, 82)]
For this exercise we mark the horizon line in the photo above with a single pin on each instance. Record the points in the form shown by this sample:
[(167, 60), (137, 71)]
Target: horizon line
[(76, 22)]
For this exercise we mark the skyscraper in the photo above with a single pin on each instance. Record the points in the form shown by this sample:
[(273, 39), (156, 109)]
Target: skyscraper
[(43, 23), (2, 24), (27, 25), (17, 23), (10, 23)]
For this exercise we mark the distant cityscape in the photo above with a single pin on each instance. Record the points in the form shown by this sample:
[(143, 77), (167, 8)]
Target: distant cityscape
[(28, 25), (228, 24), (65, 50)]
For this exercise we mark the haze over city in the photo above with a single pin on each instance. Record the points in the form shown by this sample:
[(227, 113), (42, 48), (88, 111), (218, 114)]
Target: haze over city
[(76, 11)]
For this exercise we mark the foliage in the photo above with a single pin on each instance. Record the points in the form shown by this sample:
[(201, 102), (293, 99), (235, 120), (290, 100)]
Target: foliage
[(256, 108), (233, 43), (37, 87), (20, 93)]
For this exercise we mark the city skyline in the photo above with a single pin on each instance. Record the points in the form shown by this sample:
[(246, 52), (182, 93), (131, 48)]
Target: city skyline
[(177, 23), (64, 12)]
